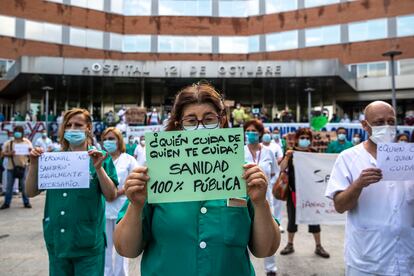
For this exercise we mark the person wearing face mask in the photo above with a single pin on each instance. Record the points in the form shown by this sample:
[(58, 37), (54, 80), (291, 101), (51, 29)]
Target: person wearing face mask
[(153, 117), (303, 143), (379, 233), (16, 161), (356, 139), (131, 145), (277, 138), (238, 115), (263, 156), (341, 144), (403, 138), (267, 141), (74, 219), (198, 237), (44, 142), (139, 153), (113, 142)]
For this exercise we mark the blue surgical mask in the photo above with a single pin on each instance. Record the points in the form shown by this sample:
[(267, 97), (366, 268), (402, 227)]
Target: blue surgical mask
[(304, 143), (356, 140), (341, 137), (75, 137), (110, 145), (276, 136), (252, 137), (266, 138), (18, 135), (44, 135)]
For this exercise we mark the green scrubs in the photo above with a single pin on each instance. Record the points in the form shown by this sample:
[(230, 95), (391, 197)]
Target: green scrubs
[(74, 226), (336, 147), (196, 238), (130, 148)]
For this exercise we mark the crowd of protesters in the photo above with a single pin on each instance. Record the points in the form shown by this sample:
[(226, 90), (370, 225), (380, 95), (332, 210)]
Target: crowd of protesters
[(119, 176)]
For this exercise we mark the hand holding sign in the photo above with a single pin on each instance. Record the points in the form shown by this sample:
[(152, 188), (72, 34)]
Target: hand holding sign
[(136, 186), (97, 158), (368, 177), (35, 154), (256, 183)]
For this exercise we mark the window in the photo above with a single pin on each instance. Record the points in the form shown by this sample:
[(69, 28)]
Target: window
[(274, 6), (368, 30), (185, 7), (43, 31), (90, 4), (117, 6), (323, 36), (94, 39), (405, 25), (136, 43), (377, 69), (7, 26), (115, 42), (282, 41), (406, 67), (57, 1), (314, 3), (234, 8), (238, 44), (184, 44), (137, 7), (77, 37)]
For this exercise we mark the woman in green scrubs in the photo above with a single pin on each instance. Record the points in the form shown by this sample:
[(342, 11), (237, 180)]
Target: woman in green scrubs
[(74, 219), (203, 237)]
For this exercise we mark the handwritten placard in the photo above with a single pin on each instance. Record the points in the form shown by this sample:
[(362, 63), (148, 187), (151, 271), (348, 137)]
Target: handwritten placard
[(63, 170), (195, 165), (396, 161), (21, 149)]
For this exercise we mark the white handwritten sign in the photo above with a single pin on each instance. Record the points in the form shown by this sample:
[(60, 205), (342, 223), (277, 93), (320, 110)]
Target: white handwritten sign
[(21, 149), (63, 170), (396, 161), (312, 172)]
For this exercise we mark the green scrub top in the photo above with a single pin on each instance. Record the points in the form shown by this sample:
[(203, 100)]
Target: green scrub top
[(74, 219), (336, 147), (196, 238), (130, 149)]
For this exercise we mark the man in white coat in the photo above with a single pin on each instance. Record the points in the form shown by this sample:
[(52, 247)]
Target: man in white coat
[(379, 235)]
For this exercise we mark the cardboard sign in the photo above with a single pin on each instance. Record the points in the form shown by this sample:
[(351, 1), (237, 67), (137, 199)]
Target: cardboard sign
[(63, 170), (312, 172), (396, 160), (195, 165), (21, 149), (135, 115)]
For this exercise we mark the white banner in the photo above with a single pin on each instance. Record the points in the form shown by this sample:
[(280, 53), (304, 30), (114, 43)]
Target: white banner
[(138, 131), (312, 172)]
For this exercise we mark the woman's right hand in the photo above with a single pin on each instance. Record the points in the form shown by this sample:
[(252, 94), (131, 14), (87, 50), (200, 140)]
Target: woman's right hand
[(289, 154), (35, 154), (136, 186)]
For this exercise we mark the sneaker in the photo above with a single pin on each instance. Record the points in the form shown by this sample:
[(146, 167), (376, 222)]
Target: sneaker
[(4, 206), (28, 205), (282, 230), (288, 249), (320, 251)]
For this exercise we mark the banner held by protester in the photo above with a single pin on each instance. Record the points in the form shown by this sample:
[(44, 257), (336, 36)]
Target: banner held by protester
[(195, 165), (312, 171)]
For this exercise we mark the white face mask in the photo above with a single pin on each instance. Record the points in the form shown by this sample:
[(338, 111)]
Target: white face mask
[(382, 134)]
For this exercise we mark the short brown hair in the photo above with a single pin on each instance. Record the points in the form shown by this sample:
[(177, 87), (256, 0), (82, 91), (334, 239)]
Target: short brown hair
[(304, 131), (257, 124), (68, 115), (18, 129), (118, 135), (199, 93)]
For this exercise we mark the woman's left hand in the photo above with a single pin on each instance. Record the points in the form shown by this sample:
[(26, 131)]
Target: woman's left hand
[(256, 183), (97, 158)]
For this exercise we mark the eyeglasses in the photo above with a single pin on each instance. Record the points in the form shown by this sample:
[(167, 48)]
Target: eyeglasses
[(208, 122)]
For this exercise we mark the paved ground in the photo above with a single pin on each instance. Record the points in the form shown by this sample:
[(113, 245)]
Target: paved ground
[(23, 253)]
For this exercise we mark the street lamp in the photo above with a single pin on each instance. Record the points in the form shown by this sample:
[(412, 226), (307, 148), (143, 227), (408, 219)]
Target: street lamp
[(309, 91), (47, 89), (391, 55)]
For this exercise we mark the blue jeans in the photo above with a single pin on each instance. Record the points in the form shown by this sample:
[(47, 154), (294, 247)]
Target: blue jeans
[(9, 188)]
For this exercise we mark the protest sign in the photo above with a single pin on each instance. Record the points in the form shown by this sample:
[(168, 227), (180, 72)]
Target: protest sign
[(195, 165), (138, 131), (21, 149), (63, 170), (135, 115), (312, 172), (396, 161)]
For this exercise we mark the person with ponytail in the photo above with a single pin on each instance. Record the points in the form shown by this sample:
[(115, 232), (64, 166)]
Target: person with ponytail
[(74, 219)]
